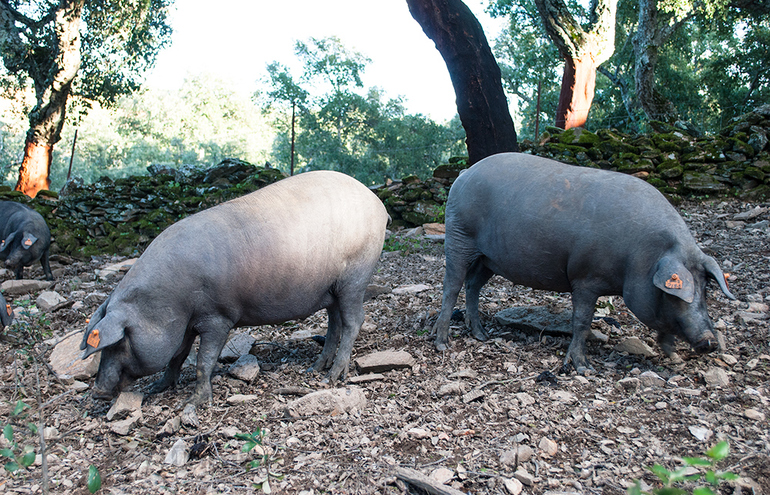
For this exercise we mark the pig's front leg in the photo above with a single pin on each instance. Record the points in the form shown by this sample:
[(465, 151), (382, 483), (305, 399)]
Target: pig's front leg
[(213, 332), (583, 305), (46, 266)]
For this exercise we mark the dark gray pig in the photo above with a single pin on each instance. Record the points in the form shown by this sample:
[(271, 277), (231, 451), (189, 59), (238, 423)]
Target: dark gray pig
[(25, 238), (546, 225), (305, 243), (6, 314)]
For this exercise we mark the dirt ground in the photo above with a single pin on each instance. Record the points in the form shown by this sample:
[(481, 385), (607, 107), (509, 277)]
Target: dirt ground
[(461, 413)]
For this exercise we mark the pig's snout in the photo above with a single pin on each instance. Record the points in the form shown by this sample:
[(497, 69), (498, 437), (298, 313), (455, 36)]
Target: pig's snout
[(706, 344)]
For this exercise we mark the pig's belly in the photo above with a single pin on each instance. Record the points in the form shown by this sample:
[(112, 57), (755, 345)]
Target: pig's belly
[(271, 311)]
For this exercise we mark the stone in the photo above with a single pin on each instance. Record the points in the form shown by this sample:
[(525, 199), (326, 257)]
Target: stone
[(700, 433), (524, 477), (535, 319), (237, 346), (115, 269), (48, 299), (21, 287), (525, 399), (451, 388), (520, 454), (124, 427), (630, 384), (750, 214), (130, 402), (754, 415), (331, 402), (178, 454), (548, 446), (700, 182), (716, 377), (513, 486), (442, 475), (379, 362), (651, 379), (245, 368), (411, 289), (241, 398), (434, 229), (66, 363), (369, 377), (635, 346)]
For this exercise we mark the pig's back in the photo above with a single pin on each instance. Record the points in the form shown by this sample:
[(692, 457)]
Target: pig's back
[(551, 219)]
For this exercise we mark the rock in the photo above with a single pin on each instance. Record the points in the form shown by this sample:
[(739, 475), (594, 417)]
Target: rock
[(245, 368), (127, 402), (524, 477), (115, 269), (513, 486), (374, 290), (630, 384), (451, 388), (651, 379), (700, 433), (124, 427), (525, 399), (520, 454), (238, 345), (548, 447), (178, 454), (48, 299), (369, 377), (241, 398), (442, 475), (750, 214), (20, 287), (418, 433), (562, 396), (700, 182), (378, 362), (327, 402), (635, 346), (411, 289), (754, 415), (535, 319), (434, 229), (66, 363), (716, 377)]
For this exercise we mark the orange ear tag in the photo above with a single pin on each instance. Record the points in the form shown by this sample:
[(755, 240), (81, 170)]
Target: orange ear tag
[(93, 338), (674, 282), (28, 242), (727, 275), (8, 309)]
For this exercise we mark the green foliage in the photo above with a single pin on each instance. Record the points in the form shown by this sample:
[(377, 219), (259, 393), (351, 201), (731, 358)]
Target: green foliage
[(669, 479), (342, 126), (18, 456), (94, 480), (252, 440), (404, 244)]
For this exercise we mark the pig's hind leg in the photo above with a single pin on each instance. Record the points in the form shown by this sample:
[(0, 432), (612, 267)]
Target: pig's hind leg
[(351, 317), (173, 370), (331, 341), (477, 276), (457, 266)]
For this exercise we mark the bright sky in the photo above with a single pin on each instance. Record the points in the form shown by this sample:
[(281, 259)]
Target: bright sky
[(238, 38)]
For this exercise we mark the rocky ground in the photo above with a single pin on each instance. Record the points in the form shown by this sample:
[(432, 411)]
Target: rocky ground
[(483, 417)]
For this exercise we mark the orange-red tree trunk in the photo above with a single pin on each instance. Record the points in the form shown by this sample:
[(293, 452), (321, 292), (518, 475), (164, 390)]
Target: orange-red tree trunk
[(577, 93), (583, 51), (35, 169)]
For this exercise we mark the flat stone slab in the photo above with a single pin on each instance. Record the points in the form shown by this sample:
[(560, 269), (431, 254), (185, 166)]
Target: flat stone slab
[(238, 345), (116, 268), (635, 346), (535, 319), (20, 287), (66, 363), (327, 402), (379, 362)]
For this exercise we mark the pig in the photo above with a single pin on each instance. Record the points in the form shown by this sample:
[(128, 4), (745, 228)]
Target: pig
[(6, 314), (283, 252), (25, 238), (552, 226)]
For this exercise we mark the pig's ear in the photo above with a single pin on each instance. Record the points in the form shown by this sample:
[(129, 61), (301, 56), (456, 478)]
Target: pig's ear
[(673, 278), (28, 240), (101, 334), (712, 268), (7, 242)]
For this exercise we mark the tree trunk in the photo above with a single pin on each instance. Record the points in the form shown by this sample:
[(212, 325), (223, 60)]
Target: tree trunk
[(583, 51), (474, 72), (647, 40), (52, 88)]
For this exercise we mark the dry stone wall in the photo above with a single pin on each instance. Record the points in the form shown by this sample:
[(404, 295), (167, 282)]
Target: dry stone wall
[(122, 216)]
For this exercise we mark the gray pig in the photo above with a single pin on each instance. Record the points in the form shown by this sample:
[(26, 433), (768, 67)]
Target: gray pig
[(305, 243), (6, 314), (24, 238), (547, 225)]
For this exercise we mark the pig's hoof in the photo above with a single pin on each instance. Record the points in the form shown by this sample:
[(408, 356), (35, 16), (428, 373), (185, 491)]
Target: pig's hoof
[(190, 416), (480, 334), (159, 386), (441, 346)]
